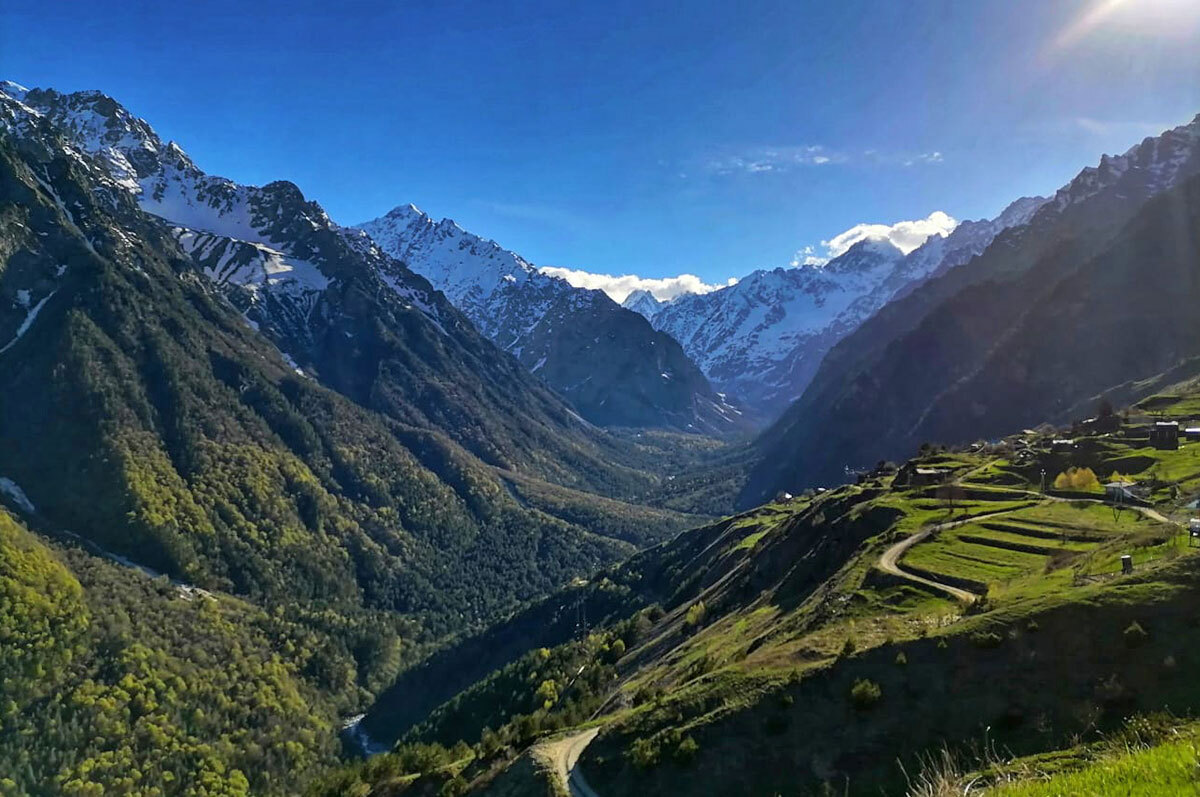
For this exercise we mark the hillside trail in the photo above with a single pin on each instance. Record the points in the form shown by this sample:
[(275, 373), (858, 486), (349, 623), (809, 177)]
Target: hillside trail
[(563, 754)]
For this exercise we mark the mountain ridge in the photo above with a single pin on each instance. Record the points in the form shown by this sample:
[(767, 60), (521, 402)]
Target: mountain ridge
[(616, 369), (342, 310), (764, 337), (953, 321)]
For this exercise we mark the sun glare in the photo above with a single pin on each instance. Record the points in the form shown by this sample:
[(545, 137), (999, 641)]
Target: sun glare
[(1167, 18)]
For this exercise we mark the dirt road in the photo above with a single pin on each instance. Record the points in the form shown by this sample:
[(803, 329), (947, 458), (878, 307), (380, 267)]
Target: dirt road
[(563, 754), (889, 562)]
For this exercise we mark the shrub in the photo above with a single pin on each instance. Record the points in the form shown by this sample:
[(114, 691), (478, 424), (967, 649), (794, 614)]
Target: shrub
[(455, 787), (647, 694), (1032, 626), (686, 750), (1081, 479), (1135, 635), (547, 693), (695, 614), (901, 659), (644, 753), (865, 693), (489, 743), (848, 648), (980, 605), (616, 650)]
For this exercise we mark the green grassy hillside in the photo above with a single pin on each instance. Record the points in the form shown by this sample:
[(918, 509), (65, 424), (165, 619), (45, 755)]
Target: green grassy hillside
[(773, 653)]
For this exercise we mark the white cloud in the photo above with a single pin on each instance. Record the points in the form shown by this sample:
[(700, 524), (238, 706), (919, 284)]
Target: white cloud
[(620, 287), (925, 157), (772, 159), (905, 235), (808, 257)]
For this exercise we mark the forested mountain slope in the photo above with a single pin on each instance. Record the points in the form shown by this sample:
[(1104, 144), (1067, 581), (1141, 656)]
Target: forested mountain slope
[(141, 411), (145, 418), (1125, 284), (343, 311), (113, 683)]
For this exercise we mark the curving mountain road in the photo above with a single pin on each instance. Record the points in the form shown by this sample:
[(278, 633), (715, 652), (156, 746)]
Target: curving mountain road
[(889, 561), (563, 754)]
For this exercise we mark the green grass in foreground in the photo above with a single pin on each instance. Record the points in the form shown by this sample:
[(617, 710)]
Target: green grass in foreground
[(1167, 770)]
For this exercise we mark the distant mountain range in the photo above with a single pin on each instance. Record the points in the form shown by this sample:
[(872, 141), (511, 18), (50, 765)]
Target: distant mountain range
[(762, 338), (607, 361), (1092, 293)]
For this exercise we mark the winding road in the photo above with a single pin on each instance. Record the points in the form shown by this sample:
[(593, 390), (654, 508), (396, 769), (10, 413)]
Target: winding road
[(889, 562), (564, 754)]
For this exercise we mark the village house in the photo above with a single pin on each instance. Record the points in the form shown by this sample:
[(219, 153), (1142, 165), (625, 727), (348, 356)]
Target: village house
[(910, 475), (1165, 435)]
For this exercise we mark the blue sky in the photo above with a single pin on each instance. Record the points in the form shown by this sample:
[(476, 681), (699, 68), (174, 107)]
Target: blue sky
[(635, 137)]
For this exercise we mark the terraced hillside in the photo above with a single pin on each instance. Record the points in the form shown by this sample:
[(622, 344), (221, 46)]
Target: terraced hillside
[(1035, 547)]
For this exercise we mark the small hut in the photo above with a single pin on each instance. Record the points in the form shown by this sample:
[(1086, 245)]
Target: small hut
[(1165, 435), (910, 475)]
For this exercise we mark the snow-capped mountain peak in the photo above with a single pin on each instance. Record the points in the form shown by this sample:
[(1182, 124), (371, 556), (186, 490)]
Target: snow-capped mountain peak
[(475, 273), (278, 249), (643, 302), (764, 337), (608, 361)]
